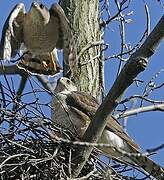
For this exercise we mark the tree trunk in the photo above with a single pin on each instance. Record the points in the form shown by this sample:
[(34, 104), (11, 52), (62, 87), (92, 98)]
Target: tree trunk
[(84, 21)]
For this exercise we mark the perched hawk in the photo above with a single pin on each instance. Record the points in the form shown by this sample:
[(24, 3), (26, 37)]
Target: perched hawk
[(74, 110), (37, 34)]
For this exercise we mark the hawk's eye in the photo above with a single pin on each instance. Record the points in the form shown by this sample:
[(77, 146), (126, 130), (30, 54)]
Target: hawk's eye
[(41, 6), (68, 81)]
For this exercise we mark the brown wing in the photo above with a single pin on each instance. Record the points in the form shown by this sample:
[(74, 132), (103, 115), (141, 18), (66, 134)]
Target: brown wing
[(66, 39), (88, 105), (114, 126), (83, 102), (12, 33)]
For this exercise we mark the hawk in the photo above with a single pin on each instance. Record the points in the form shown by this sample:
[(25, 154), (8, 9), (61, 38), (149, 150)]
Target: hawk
[(37, 34), (74, 110)]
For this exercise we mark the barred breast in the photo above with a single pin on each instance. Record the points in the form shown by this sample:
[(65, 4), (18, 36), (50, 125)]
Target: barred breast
[(64, 117), (40, 38)]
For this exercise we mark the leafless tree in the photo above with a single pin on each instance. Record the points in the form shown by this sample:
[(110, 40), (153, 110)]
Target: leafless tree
[(31, 145)]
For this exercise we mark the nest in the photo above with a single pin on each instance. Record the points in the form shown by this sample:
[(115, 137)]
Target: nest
[(30, 147), (30, 152)]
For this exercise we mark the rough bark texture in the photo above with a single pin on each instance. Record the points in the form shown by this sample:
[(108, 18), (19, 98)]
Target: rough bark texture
[(84, 19), (135, 65)]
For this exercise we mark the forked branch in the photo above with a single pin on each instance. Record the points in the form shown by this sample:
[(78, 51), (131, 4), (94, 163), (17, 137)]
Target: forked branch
[(135, 65)]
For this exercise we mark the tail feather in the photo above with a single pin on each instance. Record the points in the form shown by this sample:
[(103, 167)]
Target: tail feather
[(149, 166), (41, 64), (129, 154)]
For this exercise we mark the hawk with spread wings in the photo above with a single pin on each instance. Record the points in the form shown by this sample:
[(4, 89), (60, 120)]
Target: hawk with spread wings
[(74, 110), (37, 34)]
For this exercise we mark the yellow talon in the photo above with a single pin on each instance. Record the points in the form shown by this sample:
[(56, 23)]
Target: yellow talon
[(45, 64)]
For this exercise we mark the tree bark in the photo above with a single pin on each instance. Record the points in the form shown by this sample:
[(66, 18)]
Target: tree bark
[(84, 20), (135, 65)]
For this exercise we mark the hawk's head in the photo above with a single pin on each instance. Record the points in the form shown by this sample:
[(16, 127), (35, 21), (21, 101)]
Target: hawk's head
[(65, 84), (39, 13)]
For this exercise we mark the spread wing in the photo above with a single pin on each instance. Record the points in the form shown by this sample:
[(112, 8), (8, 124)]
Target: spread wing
[(12, 33), (66, 39)]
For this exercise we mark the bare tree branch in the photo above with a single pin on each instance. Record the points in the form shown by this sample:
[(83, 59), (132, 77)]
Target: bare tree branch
[(45, 83), (14, 70), (11, 70), (136, 64), (155, 107), (16, 104)]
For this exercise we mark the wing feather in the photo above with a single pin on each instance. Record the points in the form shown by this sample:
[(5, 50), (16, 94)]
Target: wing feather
[(83, 102), (66, 39), (12, 33), (88, 105), (114, 126)]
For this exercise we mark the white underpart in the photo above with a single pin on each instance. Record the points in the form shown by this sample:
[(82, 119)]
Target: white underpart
[(114, 140), (65, 92), (14, 15), (23, 49), (56, 54)]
